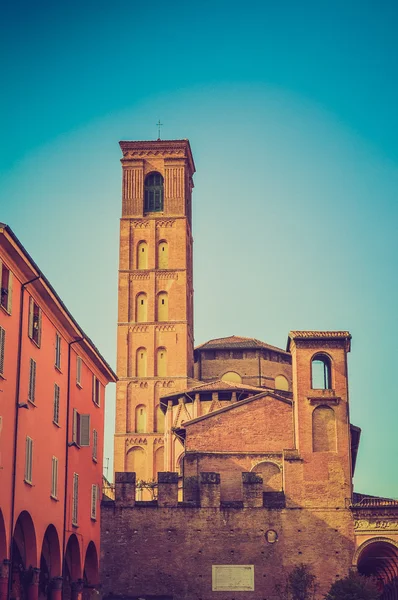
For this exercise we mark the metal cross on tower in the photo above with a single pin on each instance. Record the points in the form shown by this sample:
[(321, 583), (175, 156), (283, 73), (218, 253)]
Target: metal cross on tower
[(159, 125)]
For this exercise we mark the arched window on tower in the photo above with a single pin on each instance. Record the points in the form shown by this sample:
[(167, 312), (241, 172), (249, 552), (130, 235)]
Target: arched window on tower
[(321, 372), (140, 418), (159, 420), (323, 429), (153, 193), (141, 369), (163, 306), (141, 308), (163, 255), (161, 362), (142, 255)]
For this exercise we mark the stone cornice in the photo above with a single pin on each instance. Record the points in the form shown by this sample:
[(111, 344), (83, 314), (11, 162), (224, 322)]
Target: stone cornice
[(158, 148)]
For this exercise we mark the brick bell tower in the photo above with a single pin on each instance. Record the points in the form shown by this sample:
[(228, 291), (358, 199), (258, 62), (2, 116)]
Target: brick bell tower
[(155, 315)]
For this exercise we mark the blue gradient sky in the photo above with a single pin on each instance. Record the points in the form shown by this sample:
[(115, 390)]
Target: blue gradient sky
[(291, 110)]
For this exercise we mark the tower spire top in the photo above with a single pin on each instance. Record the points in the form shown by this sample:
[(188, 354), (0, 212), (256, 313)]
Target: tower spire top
[(159, 125)]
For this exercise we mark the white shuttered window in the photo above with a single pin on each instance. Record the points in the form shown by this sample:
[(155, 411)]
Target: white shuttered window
[(57, 350), (94, 501), (79, 370), (95, 445), (54, 477), (28, 459), (32, 381), (96, 391), (75, 499), (56, 404), (81, 429), (2, 349)]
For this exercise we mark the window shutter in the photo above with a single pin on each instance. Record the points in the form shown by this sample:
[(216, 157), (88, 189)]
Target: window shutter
[(78, 370), (94, 500), (54, 477), (75, 426), (39, 334), (32, 381), (75, 499), (56, 403), (30, 328), (58, 350), (95, 444), (28, 459), (84, 430), (9, 297), (2, 348), (94, 380)]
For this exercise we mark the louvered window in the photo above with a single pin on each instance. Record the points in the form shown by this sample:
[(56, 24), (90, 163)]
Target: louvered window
[(54, 477), (56, 404), (28, 459), (2, 349), (95, 445), (153, 190), (96, 391), (57, 350), (94, 501), (79, 370), (32, 381), (6, 287), (75, 499), (81, 429), (34, 322)]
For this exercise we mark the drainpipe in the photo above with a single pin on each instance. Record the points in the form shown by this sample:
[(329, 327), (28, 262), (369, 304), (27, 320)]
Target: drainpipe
[(67, 449), (14, 456)]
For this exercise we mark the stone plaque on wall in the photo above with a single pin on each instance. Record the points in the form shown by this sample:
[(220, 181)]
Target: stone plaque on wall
[(237, 578)]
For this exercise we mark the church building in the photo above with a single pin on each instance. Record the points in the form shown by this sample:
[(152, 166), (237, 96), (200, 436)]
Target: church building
[(234, 460)]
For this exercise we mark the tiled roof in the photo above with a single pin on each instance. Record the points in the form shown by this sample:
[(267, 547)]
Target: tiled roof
[(216, 386), (364, 501), (235, 342), (320, 334)]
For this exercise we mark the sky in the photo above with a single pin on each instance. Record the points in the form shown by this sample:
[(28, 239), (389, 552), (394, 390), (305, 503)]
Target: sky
[(291, 111)]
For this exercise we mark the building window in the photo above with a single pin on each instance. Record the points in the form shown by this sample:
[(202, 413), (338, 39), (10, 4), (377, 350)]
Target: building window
[(153, 192), (2, 349), (95, 445), (28, 459), (80, 429), (323, 429), (281, 383), (163, 307), (142, 256), (96, 391), (163, 255), (141, 308), (79, 371), (94, 501), (232, 376), (32, 381), (321, 372), (34, 322), (161, 362), (140, 419), (141, 362), (159, 420), (75, 499), (56, 404), (6, 288), (54, 477), (57, 350)]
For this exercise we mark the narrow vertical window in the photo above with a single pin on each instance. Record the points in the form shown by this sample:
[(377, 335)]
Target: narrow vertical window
[(2, 349), (94, 501), (161, 362), (32, 381), (153, 192), (57, 350), (163, 306), (75, 427), (321, 372), (84, 430), (142, 256), (6, 288), (75, 499), (163, 255), (56, 404), (95, 445), (54, 477), (140, 418), (96, 391), (34, 322), (78, 371), (28, 459), (141, 308), (141, 362)]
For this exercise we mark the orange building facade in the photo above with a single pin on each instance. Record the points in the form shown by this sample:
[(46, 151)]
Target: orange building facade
[(52, 393)]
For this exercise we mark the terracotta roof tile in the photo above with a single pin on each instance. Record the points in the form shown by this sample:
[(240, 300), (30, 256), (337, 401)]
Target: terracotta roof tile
[(235, 342)]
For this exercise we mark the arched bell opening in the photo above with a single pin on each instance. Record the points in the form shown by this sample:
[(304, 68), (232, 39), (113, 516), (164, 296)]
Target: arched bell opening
[(379, 559)]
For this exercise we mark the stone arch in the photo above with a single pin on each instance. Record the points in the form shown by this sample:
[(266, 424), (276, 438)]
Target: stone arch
[(162, 307), (141, 362), (271, 474), (281, 383), (159, 460), (163, 255), (378, 557), (321, 371), (159, 420), (136, 462), (24, 540), (90, 571), (141, 308), (232, 376), (72, 570), (50, 560), (140, 418), (142, 255), (323, 429), (3, 539)]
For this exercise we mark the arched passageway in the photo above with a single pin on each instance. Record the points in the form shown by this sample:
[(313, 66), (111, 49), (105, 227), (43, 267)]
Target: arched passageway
[(72, 569), (90, 574), (50, 562), (379, 558), (24, 568)]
